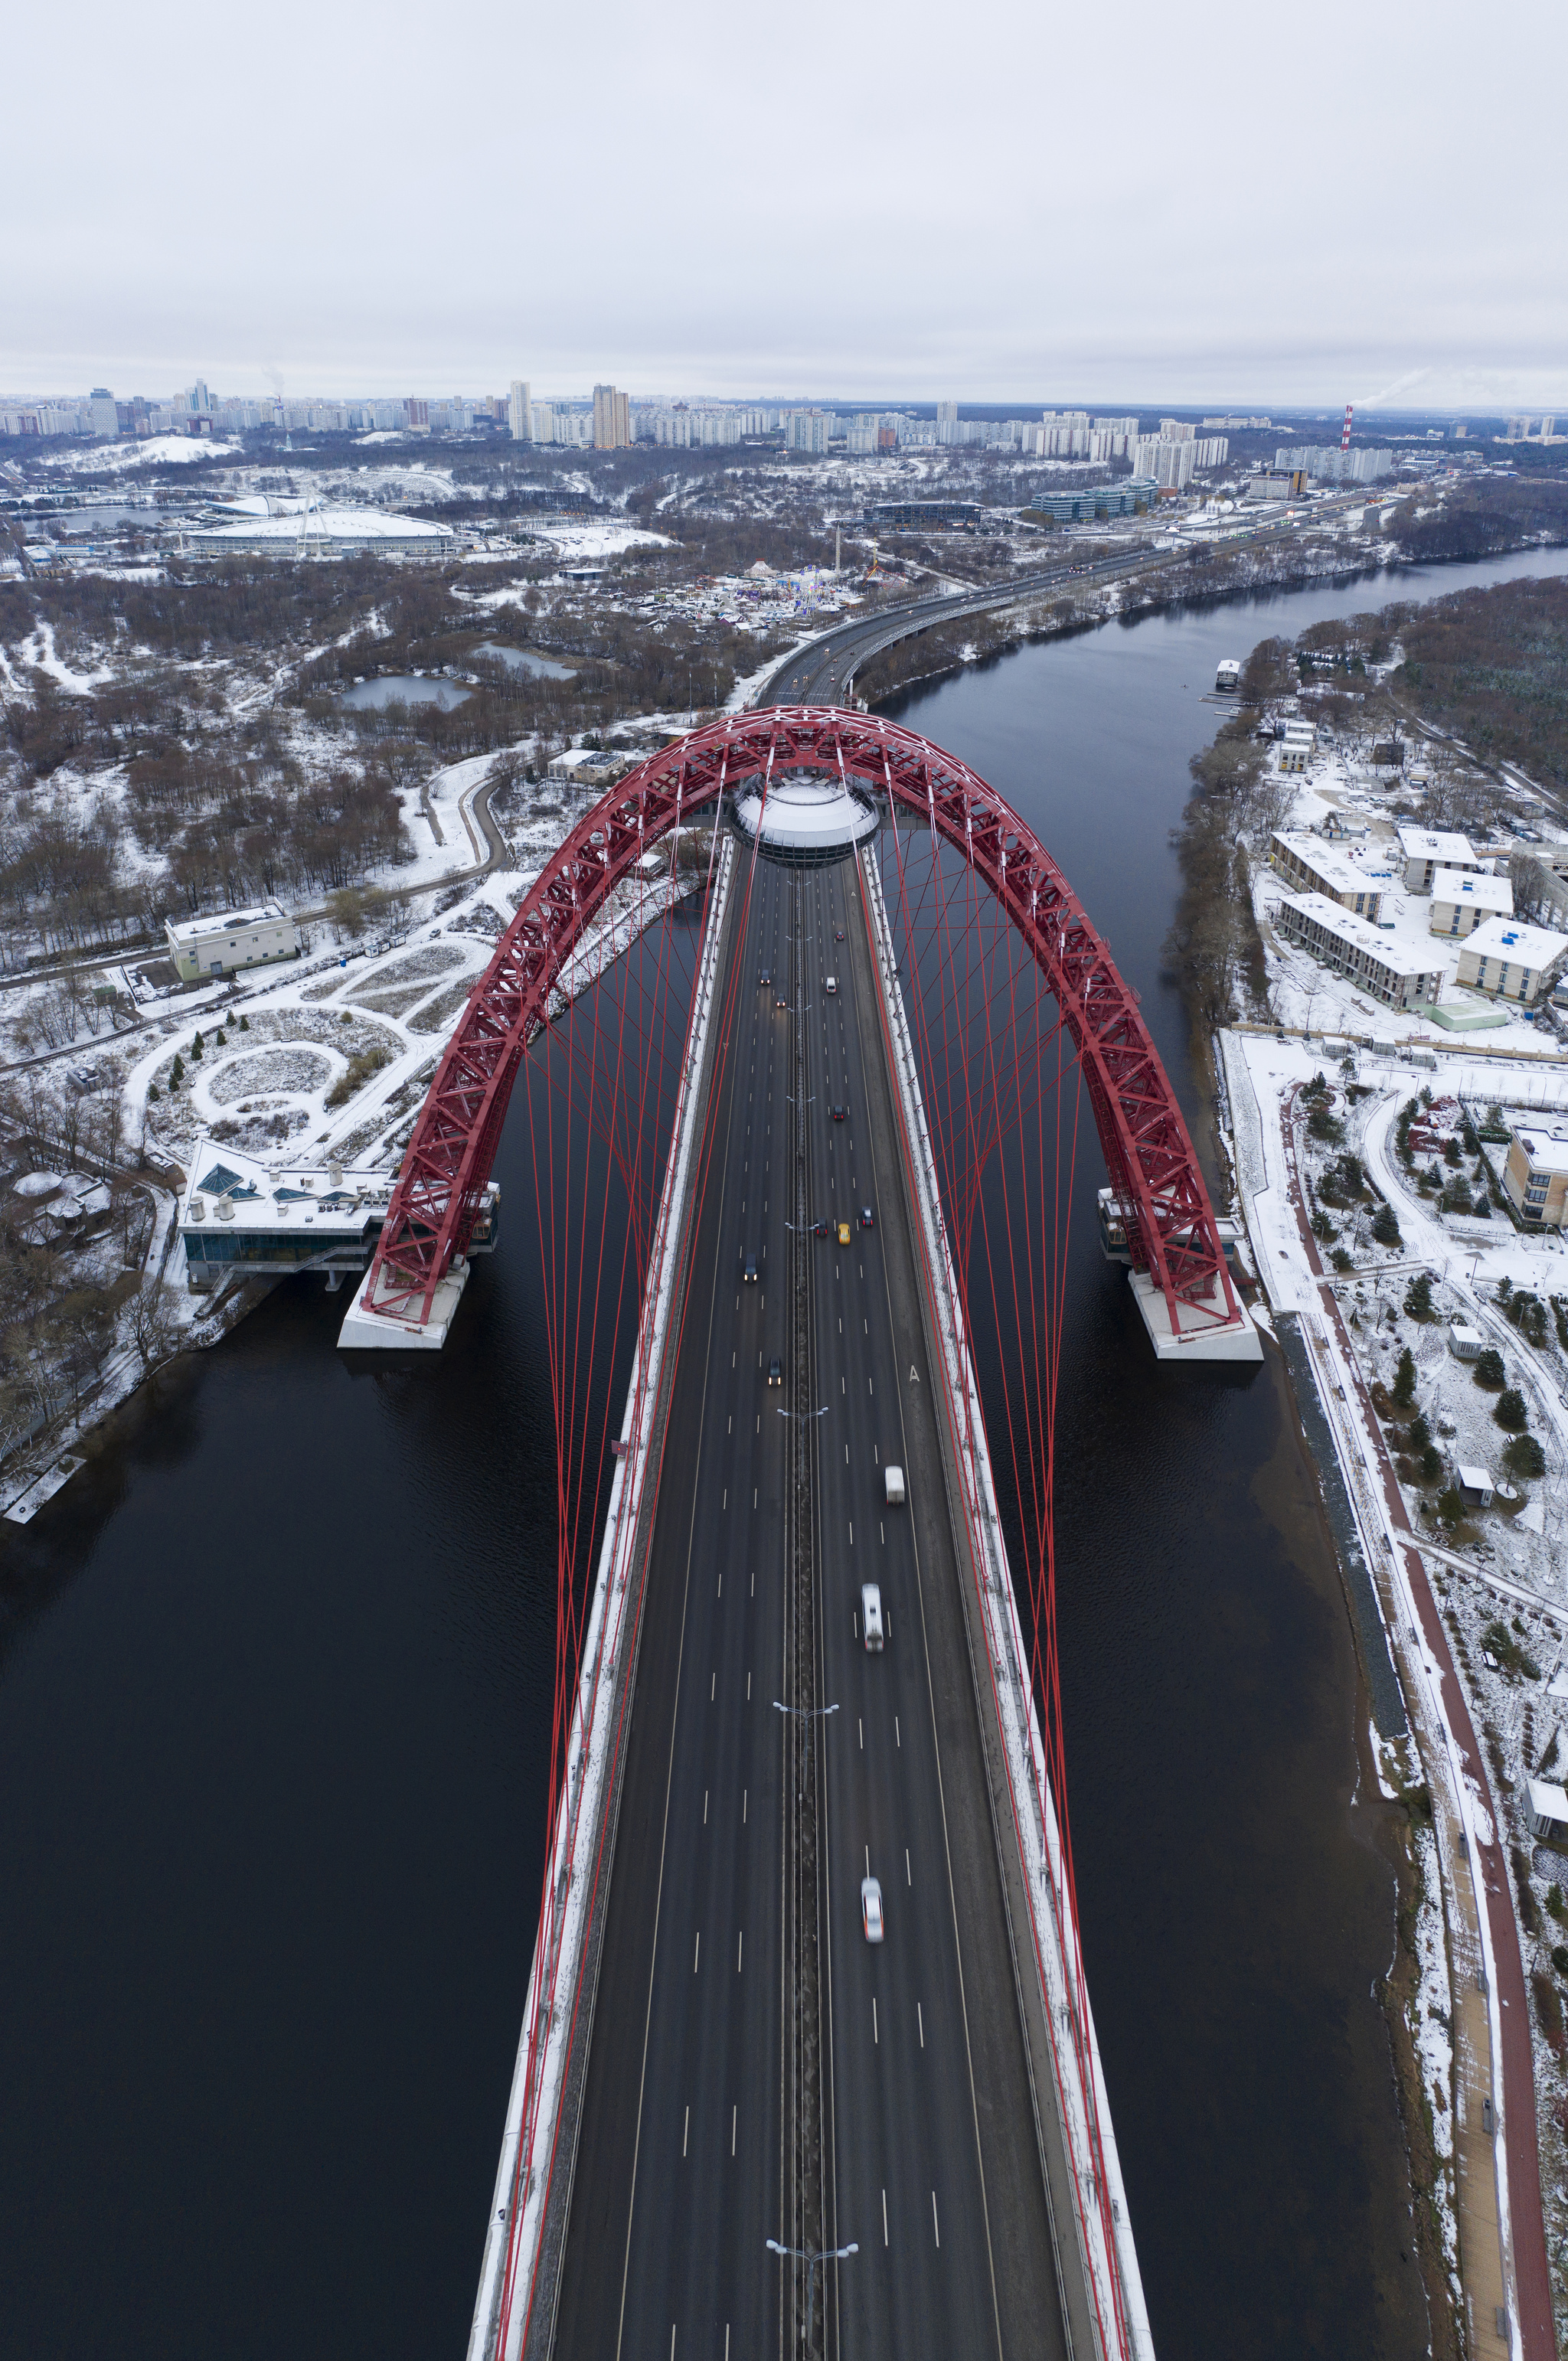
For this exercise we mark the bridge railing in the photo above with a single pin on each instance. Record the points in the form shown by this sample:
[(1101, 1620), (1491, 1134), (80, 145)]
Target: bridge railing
[(532, 2179)]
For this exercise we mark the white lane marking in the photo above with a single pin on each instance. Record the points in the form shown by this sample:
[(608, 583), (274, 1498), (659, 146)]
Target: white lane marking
[(896, 1738), (860, 1726), (935, 2223), (713, 1688), (885, 2217), (734, 2119), (744, 1792), (740, 1947), (908, 1872), (875, 2035), (705, 1808), (920, 2018), (698, 1953), (685, 2131)]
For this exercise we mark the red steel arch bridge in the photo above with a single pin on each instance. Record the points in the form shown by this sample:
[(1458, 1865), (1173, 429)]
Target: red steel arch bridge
[(1001, 1017), (1158, 1200)]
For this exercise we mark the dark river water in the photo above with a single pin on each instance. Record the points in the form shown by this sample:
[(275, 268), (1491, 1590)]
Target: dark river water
[(275, 1685)]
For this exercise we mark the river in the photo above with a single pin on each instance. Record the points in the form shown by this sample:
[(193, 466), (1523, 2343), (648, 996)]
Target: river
[(275, 1685)]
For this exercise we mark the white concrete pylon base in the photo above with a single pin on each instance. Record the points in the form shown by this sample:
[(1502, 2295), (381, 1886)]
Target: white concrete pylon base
[(1201, 1337), (376, 1332)]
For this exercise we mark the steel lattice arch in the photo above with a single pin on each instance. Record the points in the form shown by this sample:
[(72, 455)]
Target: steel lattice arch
[(1153, 1169)]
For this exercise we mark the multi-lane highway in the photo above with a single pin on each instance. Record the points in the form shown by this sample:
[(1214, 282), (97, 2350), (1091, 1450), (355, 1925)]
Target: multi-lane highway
[(933, 2159), (931, 2137), (680, 2174)]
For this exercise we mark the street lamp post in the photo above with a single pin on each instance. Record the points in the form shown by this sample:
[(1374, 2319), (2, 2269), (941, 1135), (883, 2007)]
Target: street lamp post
[(804, 2254)]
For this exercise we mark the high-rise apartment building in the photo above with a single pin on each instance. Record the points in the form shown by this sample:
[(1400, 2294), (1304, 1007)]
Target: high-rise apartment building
[(1177, 430), (612, 419), (1173, 463), (947, 413), (519, 411), (805, 429), (103, 412)]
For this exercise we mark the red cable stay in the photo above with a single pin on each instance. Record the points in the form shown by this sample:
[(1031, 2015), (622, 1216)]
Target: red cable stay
[(1155, 1176)]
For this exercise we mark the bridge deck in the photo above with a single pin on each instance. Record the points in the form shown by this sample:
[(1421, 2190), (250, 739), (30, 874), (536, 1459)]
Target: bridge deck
[(933, 2150)]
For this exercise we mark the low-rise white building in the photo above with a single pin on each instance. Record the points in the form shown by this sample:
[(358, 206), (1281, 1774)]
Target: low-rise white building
[(1548, 1810), (1354, 948), (242, 938), (1511, 960), (1307, 862), (580, 766), (1428, 850), (1463, 899), (1535, 1175)]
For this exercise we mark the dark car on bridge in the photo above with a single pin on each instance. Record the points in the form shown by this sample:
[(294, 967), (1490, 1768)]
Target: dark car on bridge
[(823, 1229), (775, 1371), (868, 1221), (841, 1115), (766, 977), (750, 1272)]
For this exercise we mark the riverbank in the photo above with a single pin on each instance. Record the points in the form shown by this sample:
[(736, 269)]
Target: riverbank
[(1468, 2073), (1190, 579), (1456, 1597)]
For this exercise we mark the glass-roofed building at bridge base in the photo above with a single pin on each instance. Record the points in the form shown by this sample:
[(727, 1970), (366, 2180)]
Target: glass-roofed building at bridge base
[(239, 1217)]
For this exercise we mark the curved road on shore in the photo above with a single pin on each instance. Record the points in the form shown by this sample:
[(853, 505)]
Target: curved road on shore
[(822, 672)]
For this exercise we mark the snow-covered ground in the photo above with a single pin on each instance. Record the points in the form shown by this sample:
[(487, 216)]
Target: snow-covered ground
[(1501, 1579), (1304, 993), (580, 543), (147, 451)]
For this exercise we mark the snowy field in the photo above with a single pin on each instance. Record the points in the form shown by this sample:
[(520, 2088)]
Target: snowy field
[(148, 451)]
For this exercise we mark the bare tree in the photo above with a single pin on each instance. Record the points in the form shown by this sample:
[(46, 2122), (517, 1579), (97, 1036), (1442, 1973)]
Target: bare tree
[(154, 1329)]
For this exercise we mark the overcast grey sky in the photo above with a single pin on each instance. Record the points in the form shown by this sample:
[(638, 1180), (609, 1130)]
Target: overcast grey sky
[(1220, 204)]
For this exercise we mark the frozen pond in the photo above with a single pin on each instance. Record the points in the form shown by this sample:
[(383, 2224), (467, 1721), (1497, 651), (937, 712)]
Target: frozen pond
[(524, 660), (405, 688)]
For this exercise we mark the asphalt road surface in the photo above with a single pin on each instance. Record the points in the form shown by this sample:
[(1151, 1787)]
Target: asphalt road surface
[(933, 2164)]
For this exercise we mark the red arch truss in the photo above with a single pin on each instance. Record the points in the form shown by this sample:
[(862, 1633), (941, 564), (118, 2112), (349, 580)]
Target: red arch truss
[(1154, 1171)]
